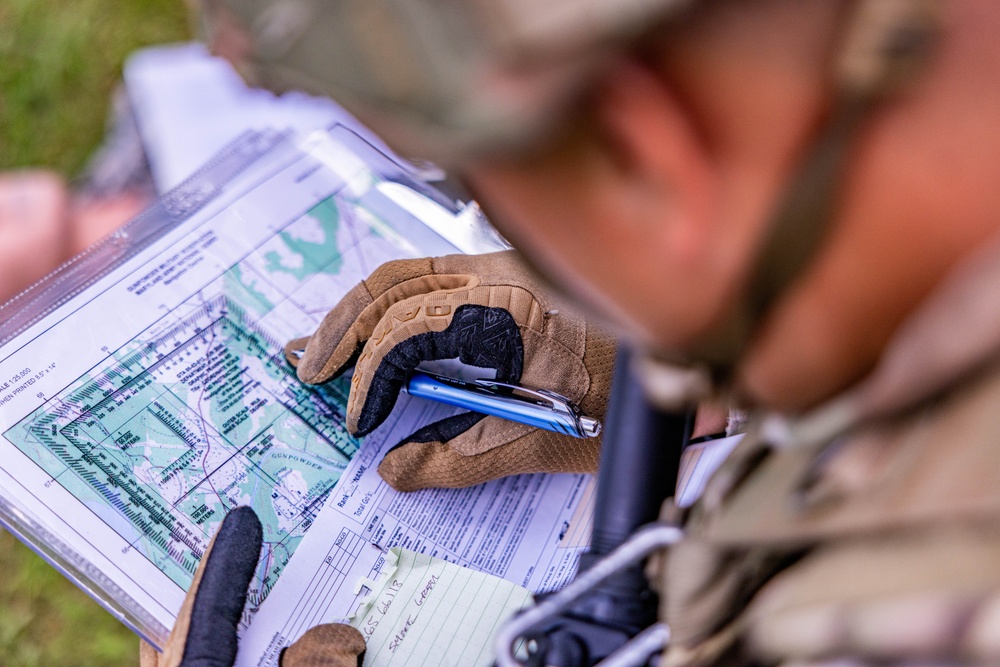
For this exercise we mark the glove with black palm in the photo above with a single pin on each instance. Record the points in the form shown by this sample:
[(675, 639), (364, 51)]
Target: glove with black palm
[(487, 311), (204, 634)]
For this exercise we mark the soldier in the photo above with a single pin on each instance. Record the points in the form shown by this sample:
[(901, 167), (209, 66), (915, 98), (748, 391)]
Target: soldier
[(798, 199)]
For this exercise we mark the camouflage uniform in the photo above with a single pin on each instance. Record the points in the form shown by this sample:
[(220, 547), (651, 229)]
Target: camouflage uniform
[(868, 529)]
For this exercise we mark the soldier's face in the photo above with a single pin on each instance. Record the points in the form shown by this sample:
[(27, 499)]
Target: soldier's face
[(620, 212), (652, 224)]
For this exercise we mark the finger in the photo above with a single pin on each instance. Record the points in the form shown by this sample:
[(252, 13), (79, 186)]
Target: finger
[(416, 464), (476, 335), (294, 350), (352, 321), (204, 634), (148, 656), (323, 355), (328, 645)]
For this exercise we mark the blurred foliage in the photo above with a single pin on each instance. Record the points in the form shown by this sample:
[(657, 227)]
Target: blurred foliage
[(59, 62), (46, 620)]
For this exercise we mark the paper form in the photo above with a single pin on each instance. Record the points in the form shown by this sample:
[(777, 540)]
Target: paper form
[(514, 528), (426, 611), (137, 414), (698, 462)]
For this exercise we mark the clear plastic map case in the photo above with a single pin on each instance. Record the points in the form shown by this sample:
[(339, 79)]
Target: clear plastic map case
[(143, 390)]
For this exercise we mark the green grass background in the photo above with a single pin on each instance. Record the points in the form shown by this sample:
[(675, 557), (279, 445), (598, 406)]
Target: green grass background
[(59, 62)]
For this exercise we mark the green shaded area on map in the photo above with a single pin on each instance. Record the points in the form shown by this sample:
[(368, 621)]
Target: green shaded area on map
[(243, 287), (176, 430), (312, 255), (313, 260), (202, 413)]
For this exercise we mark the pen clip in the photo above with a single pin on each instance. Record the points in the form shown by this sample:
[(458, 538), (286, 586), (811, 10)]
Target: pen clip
[(586, 427), (558, 402)]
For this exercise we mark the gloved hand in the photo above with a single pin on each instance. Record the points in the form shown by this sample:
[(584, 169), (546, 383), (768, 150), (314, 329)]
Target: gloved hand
[(204, 634), (487, 311)]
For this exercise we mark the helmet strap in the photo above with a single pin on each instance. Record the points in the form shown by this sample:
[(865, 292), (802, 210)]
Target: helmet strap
[(886, 44)]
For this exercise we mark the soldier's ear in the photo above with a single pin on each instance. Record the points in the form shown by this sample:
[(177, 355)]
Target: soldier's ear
[(662, 160)]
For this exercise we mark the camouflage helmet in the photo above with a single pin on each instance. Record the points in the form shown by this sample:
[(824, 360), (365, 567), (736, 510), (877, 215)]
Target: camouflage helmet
[(446, 79), (439, 78)]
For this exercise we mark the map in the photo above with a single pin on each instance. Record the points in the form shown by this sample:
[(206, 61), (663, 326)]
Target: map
[(201, 413)]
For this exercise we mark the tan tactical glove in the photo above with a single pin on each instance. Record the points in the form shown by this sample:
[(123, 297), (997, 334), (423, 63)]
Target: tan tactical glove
[(880, 547), (204, 634), (488, 311), (328, 645)]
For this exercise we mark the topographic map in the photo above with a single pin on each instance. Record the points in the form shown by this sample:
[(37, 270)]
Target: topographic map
[(201, 413)]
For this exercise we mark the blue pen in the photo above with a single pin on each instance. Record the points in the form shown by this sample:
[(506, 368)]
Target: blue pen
[(535, 407)]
